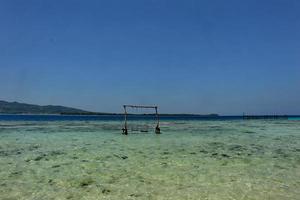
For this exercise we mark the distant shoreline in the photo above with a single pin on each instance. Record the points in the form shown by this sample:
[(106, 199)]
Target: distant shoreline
[(16, 108), (162, 115), (107, 114)]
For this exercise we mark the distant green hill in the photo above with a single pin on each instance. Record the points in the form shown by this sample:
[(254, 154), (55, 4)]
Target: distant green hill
[(23, 108)]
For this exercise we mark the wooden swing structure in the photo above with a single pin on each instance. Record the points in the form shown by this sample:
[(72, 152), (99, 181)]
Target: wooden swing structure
[(125, 129)]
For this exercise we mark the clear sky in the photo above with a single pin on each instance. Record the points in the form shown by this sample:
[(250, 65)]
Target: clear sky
[(187, 56)]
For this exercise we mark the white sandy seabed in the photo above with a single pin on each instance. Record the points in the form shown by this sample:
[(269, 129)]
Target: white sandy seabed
[(254, 159)]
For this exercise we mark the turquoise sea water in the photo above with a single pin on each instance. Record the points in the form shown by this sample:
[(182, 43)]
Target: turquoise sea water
[(294, 118), (192, 159)]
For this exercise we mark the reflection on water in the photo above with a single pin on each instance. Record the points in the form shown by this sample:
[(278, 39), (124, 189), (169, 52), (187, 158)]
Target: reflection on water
[(190, 160)]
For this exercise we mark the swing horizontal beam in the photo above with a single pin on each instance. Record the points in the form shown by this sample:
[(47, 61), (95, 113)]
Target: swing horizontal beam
[(139, 106)]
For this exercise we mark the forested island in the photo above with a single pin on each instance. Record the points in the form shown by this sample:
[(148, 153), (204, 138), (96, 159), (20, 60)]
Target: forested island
[(24, 108)]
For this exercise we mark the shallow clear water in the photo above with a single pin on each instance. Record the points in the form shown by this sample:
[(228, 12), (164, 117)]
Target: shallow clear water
[(233, 159)]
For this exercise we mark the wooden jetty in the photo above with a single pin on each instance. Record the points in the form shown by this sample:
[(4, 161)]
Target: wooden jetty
[(265, 117)]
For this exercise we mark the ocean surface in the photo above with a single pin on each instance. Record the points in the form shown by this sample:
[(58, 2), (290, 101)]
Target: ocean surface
[(87, 157)]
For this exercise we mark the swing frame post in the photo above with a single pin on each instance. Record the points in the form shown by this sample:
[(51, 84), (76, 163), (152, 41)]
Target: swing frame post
[(125, 128), (157, 129)]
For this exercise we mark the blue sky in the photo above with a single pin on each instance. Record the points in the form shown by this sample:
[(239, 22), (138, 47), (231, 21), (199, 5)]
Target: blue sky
[(215, 56)]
